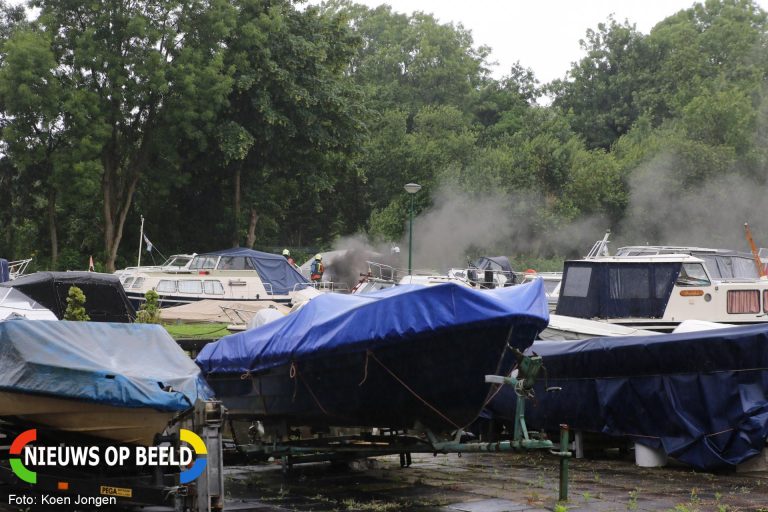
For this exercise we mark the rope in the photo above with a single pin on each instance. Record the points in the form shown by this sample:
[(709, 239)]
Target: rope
[(372, 355), (365, 373), (246, 375), (294, 373)]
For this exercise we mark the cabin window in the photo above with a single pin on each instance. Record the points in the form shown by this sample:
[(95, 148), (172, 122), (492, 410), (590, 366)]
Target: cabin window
[(577, 282), (127, 281), (138, 283), (190, 286), (235, 263), (692, 274), (166, 286), (629, 282), (213, 288), (741, 302), (203, 262), (765, 301)]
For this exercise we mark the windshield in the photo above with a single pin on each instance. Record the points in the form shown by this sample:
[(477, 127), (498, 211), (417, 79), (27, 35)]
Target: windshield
[(692, 274)]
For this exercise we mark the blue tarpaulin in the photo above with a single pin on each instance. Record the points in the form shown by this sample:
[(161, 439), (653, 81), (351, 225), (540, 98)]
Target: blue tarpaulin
[(4, 271), (124, 365), (701, 396), (272, 268), (336, 323)]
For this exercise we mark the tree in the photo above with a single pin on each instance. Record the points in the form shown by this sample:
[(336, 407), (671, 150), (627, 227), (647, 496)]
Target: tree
[(294, 119), (149, 311), (136, 76), (76, 305)]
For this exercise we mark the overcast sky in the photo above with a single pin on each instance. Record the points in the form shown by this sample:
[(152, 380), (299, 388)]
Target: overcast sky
[(542, 34)]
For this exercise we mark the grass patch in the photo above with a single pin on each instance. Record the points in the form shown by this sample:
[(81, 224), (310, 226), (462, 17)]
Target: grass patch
[(206, 330)]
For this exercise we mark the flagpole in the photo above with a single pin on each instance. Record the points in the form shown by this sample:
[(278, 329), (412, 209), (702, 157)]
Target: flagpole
[(141, 239)]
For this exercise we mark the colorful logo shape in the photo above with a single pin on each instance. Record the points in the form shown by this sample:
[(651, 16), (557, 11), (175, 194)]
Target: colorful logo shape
[(17, 446), (201, 453)]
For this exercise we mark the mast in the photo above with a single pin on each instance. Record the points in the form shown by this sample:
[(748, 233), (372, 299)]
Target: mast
[(141, 239), (755, 253)]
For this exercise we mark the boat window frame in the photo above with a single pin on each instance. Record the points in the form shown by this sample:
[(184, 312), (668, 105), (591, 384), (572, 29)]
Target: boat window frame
[(185, 281), (212, 281), (685, 274), (138, 283), (582, 290), (728, 302), (171, 289), (204, 262)]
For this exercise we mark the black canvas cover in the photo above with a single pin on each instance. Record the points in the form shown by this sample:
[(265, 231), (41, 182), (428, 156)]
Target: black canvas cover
[(105, 299), (700, 396), (594, 289), (4, 271)]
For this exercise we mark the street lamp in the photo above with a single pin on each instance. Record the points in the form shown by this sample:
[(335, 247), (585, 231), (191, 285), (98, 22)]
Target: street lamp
[(411, 188)]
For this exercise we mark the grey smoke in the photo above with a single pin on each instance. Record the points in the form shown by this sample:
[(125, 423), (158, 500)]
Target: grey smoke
[(662, 211)]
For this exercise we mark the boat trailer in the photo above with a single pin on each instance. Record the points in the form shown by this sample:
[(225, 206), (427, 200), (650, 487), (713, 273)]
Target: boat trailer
[(130, 486), (422, 440)]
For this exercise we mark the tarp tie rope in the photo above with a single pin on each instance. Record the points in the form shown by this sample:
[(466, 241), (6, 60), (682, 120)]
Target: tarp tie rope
[(246, 375), (398, 379), (294, 373), (365, 372)]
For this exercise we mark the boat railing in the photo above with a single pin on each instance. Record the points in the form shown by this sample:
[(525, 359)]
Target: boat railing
[(18, 267), (381, 271), (600, 249), (323, 286)]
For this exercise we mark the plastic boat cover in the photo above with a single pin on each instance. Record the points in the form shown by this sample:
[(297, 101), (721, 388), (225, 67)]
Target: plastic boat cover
[(98, 362), (336, 323), (5, 272), (14, 305), (105, 299), (701, 396), (272, 268)]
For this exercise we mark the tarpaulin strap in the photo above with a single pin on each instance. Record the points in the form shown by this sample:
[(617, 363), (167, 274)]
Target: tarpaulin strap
[(365, 372), (294, 373), (398, 379)]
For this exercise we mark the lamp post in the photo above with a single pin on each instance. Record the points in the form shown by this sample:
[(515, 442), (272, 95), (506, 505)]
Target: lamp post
[(411, 188)]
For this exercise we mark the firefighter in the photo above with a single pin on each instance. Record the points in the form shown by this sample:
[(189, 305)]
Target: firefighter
[(317, 269)]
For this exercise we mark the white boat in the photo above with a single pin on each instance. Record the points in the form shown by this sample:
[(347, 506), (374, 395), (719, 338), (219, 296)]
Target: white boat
[(176, 263), (232, 274), (657, 291), (14, 304), (562, 328)]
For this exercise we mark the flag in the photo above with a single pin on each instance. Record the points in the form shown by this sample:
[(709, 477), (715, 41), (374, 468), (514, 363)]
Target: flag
[(90, 265), (149, 244)]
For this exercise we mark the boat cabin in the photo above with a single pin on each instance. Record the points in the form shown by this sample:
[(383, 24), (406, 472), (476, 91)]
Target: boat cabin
[(232, 274), (658, 291)]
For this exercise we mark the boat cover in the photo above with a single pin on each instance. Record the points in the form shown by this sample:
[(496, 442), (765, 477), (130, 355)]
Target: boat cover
[(98, 362), (5, 272), (272, 268), (336, 323), (701, 396), (105, 299)]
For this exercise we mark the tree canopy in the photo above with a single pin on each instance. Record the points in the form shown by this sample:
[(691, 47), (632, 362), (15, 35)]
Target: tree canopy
[(269, 124)]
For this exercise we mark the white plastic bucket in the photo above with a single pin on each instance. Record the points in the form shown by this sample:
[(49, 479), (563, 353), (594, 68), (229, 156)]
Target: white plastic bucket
[(646, 457)]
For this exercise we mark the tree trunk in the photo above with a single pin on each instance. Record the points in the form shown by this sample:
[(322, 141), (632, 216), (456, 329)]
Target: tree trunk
[(252, 228), (52, 229), (236, 234)]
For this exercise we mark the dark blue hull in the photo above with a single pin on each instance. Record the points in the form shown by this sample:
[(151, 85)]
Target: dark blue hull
[(436, 380)]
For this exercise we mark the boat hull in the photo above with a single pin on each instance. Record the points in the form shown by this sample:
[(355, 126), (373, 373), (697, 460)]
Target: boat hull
[(435, 379), (81, 418)]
